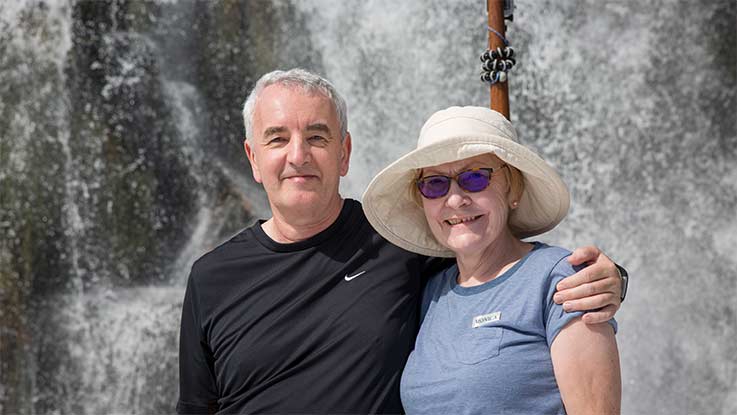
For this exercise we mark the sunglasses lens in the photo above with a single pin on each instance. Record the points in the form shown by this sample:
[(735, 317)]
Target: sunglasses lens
[(474, 180), (433, 187)]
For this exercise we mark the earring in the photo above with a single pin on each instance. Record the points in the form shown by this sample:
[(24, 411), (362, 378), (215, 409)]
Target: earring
[(515, 204)]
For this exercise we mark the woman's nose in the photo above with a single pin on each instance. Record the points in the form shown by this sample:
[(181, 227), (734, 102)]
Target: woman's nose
[(456, 197)]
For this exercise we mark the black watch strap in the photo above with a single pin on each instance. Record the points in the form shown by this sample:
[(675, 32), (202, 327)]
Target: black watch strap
[(625, 278)]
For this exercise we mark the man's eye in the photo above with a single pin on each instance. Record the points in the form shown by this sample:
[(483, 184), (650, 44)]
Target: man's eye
[(277, 140), (318, 140)]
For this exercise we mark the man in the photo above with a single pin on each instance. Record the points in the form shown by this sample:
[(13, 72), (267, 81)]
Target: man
[(311, 311)]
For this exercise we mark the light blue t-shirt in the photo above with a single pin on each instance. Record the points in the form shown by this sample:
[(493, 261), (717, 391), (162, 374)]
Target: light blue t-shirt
[(486, 349)]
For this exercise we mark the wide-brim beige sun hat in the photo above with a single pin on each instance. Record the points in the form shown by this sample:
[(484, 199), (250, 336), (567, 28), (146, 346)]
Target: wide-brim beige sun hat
[(455, 134)]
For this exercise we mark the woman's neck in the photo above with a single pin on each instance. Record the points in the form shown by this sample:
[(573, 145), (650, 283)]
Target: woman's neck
[(499, 256)]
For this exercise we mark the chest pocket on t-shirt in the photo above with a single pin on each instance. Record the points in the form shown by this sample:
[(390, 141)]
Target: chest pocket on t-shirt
[(475, 345)]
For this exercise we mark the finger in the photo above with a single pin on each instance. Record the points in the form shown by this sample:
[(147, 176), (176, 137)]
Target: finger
[(583, 255), (600, 316), (589, 274), (592, 302), (601, 270), (604, 286)]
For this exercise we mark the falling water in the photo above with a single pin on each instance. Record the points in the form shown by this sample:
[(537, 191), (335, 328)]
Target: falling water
[(122, 162)]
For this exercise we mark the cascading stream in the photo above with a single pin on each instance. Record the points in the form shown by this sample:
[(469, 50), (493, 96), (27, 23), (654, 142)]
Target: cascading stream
[(122, 162)]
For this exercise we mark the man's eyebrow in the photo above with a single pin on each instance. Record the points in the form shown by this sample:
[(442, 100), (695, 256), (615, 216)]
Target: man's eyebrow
[(274, 130), (319, 127), (316, 127)]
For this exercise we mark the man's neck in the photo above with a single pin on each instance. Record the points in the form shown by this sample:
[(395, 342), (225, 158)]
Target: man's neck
[(290, 227)]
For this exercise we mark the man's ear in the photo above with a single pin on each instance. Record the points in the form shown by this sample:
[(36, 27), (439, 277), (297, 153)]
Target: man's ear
[(252, 159), (345, 156)]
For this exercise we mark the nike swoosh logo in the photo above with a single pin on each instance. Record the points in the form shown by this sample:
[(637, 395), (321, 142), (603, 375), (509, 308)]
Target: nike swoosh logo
[(347, 278)]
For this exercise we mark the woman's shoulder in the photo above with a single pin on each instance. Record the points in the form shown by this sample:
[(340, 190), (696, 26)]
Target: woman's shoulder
[(550, 260), (543, 250)]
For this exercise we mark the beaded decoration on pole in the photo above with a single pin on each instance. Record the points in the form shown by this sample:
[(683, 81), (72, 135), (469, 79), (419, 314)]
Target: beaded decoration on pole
[(495, 63)]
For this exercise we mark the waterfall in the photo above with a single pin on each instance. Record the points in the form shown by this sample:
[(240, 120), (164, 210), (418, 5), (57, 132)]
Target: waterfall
[(121, 162)]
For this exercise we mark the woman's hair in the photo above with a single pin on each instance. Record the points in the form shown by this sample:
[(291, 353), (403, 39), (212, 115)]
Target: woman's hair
[(414, 192), (516, 182)]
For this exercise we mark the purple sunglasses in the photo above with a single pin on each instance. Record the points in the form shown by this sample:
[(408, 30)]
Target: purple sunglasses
[(472, 181)]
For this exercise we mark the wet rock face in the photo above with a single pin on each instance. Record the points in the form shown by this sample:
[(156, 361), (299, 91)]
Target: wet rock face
[(33, 243), (134, 189)]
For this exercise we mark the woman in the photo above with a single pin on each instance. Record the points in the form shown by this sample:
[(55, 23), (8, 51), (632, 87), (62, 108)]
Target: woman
[(492, 340)]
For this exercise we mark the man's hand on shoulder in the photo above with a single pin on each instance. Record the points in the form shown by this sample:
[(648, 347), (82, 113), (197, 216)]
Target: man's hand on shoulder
[(597, 287)]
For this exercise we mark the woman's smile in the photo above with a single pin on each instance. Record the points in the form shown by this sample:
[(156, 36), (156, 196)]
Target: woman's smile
[(461, 220)]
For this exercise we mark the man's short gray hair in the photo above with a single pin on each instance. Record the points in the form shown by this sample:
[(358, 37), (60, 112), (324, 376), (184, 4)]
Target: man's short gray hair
[(297, 78)]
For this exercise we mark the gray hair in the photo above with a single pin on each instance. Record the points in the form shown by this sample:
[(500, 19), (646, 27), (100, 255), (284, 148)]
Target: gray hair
[(298, 78)]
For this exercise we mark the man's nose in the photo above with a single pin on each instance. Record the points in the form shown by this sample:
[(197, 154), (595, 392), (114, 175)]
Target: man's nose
[(299, 151)]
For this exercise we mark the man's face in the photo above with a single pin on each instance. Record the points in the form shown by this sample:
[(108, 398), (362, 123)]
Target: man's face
[(296, 151)]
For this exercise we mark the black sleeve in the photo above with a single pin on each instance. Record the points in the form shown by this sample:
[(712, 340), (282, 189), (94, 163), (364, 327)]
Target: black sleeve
[(433, 265), (197, 387)]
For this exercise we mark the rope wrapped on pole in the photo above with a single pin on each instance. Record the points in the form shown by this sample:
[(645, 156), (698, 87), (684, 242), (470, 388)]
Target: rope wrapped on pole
[(499, 58)]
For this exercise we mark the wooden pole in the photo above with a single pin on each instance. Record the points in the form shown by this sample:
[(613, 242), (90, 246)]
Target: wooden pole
[(499, 92)]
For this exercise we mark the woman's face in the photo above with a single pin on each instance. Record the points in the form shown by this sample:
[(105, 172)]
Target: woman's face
[(465, 222)]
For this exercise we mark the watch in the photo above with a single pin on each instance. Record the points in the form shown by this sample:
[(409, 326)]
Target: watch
[(624, 277)]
